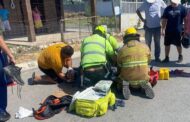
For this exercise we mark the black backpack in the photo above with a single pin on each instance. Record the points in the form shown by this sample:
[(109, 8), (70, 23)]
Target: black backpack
[(52, 105)]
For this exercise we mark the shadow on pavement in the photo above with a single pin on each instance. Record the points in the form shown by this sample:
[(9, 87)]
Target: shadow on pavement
[(169, 64), (135, 92), (138, 92), (30, 82), (69, 88)]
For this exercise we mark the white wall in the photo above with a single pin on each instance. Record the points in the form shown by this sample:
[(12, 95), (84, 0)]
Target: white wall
[(129, 20)]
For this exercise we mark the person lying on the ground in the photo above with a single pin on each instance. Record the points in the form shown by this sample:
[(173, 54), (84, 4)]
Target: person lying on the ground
[(51, 62)]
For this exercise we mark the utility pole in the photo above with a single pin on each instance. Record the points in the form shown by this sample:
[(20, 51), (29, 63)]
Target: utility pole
[(115, 18), (62, 21), (93, 13), (120, 5), (29, 20)]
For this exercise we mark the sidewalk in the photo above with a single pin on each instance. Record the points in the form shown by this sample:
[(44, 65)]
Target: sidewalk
[(33, 63)]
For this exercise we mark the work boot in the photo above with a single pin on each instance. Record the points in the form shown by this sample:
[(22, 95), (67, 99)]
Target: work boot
[(126, 90), (148, 90), (180, 59), (166, 60), (4, 116), (14, 72)]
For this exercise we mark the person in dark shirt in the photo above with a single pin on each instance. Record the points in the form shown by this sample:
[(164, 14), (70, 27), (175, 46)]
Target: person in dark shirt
[(4, 15), (172, 23)]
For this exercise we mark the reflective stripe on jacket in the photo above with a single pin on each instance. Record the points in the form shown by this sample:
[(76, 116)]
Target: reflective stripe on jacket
[(94, 50), (133, 61)]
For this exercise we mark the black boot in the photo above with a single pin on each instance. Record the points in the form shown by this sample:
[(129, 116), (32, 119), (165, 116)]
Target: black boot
[(4, 116), (180, 59), (166, 60)]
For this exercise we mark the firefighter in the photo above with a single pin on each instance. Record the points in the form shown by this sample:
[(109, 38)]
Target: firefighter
[(133, 59)]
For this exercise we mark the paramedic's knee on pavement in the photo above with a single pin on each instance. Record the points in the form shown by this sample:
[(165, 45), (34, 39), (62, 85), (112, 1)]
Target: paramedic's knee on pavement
[(133, 59), (51, 61), (95, 50)]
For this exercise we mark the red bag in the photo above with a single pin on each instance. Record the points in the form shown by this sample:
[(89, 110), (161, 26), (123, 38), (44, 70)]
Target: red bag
[(154, 76)]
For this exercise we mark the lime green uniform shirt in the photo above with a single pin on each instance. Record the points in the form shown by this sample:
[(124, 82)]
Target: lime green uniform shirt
[(94, 50), (113, 41)]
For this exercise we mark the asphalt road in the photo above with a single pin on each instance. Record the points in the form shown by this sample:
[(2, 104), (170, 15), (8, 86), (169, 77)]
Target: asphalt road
[(171, 102)]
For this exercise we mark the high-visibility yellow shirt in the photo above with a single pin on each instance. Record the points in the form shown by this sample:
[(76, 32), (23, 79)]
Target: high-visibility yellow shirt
[(94, 51), (113, 41), (50, 58)]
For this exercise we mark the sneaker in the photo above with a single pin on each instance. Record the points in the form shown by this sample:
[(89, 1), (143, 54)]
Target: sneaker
[(148, 90), (126, 90), (32, 82), (14, 72), (4, 116), (166, 60), (180, 59), (157, 60)]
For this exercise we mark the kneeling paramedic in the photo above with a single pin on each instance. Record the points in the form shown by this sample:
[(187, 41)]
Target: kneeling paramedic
[(133, 59), (114, 43), (95, 50)]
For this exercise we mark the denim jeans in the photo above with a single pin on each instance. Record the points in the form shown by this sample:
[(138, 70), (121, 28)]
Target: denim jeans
[(3, 83), (155, 33), (3, 97)]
